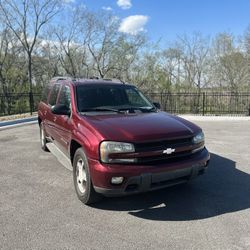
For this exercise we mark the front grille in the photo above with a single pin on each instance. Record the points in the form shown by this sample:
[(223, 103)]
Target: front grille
[(162, 144), (164, 158), (184, 143)]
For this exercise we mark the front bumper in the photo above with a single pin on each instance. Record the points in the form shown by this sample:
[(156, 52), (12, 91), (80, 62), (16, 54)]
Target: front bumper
[(139, 178)]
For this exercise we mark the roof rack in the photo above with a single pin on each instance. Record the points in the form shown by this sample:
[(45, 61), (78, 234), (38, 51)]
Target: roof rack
[(113, 80), (61, 78), (94, 78), (69, 78)]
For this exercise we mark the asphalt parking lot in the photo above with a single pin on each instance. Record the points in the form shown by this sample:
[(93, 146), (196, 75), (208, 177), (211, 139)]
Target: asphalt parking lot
[(39, 208)]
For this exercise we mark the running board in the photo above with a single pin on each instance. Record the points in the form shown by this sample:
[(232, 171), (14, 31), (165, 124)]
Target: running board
[(61, 157)]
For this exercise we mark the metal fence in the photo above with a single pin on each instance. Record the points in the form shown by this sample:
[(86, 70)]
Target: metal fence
[(205, 103), (11, 104)]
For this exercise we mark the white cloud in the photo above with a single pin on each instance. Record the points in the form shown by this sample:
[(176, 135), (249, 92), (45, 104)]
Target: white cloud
[(108, 8), (124, 4), (133, 24)]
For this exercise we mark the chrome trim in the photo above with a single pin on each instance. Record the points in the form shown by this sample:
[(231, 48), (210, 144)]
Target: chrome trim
[(198, 149)]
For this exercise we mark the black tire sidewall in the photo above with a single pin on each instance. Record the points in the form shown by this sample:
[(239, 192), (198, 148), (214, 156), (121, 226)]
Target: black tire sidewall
[(86, 196), (43, 146)]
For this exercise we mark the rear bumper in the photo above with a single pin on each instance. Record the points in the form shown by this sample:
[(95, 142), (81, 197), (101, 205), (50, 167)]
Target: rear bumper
[(139, 179)]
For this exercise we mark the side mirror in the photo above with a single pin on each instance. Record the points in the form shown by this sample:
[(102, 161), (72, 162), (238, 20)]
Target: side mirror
[(60, 109), (157, 105)]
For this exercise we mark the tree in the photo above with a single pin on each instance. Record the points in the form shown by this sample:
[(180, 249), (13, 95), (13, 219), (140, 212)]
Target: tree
[(172, 65), (112, 52), (230, 64), (46, 62), (194, 51), (26, 19), (12, 75), (70, 43), (124, 54), (247, 49)]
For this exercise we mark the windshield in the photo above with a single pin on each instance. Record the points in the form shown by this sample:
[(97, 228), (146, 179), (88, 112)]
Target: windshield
[(111, 98)]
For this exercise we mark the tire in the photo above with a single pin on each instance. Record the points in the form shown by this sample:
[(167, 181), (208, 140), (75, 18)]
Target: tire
[(43, 140), (82, 179)]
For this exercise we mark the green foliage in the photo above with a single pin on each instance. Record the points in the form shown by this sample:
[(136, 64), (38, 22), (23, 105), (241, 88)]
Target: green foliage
[(89, 44)]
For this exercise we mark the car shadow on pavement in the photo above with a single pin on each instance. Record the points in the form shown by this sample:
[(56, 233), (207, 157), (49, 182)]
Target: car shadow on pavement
[(223, 189)]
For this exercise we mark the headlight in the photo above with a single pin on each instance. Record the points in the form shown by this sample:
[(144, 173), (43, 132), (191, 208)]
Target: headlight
[(108, 148), (198, 138)]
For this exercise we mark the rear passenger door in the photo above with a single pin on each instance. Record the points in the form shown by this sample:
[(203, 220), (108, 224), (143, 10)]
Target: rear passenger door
[(43, 106), (51, 118)]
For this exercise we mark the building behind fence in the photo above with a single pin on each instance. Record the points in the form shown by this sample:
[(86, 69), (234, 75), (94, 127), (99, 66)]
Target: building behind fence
[(205, 103)]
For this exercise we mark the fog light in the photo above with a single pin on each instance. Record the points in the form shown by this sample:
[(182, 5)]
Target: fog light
[(117, 180)]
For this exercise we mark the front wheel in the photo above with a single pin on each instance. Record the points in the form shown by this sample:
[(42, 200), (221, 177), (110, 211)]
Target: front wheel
[(82, 180)]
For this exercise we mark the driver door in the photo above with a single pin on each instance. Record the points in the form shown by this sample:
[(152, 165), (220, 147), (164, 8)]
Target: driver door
[(63, 123)]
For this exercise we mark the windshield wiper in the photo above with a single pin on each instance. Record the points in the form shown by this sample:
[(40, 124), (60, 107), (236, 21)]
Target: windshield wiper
[(143, 109), (148, 109), (121, 110), (100, 110)]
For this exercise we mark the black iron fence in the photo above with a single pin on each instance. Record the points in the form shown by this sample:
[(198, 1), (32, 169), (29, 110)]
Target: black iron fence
[(11, 104), (205, 103)]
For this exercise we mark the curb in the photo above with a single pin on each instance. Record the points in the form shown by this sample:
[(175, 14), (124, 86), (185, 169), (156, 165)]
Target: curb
[(33, 120), (215, 118), (17, 123)]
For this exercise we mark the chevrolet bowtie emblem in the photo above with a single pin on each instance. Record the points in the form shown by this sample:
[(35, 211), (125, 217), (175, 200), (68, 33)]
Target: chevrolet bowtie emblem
[(169, 151)]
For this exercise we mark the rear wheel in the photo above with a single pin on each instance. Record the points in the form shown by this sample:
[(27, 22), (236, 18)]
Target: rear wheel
[(82, 179), (43, 140)]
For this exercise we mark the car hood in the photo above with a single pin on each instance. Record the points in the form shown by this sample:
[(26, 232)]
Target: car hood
[(141, 127)]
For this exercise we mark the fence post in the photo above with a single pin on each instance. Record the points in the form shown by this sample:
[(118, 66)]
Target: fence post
[(162, 102), (31, 102), (203, 103)]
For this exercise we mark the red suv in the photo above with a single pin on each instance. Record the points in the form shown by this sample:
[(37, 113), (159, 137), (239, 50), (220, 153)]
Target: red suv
[(117, 140)]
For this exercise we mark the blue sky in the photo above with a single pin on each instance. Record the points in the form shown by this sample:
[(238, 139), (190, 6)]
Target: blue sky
[(166, 19)]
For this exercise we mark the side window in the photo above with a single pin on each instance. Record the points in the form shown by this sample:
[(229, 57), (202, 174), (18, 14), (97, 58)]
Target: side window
[(64, 97), (46, 93), (53, 94)]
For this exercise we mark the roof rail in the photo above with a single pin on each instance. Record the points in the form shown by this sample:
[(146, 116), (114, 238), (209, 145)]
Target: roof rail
[(114, 80), (94, 78), (69, 78), (61, 78)]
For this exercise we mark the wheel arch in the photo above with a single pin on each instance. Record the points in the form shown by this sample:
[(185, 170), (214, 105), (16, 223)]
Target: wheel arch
[(74, 145)]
